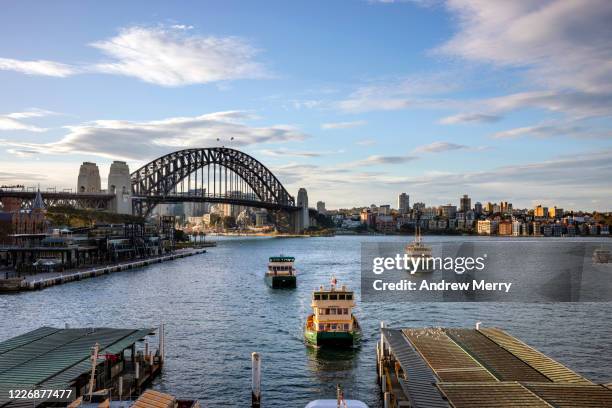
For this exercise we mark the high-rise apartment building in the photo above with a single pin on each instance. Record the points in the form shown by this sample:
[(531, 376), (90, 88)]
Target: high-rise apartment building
[(465, 203), (403, 203)]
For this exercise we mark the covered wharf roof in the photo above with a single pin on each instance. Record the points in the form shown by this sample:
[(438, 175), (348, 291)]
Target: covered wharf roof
[(50, 356), (486, 367)]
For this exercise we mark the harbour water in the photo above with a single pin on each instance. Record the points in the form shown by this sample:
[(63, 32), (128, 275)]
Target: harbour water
[(218, 310)]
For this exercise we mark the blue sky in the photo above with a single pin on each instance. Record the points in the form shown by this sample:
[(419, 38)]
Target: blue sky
[(355, 100)]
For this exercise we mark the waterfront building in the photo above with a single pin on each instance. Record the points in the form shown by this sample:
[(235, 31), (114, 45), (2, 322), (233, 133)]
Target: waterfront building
[(504, 228), (403, 203), (516, 228), (25, 222), (486, 227), (540, 212), (89, 178), (478, 208), (385, 224), (384, 209), (571, 230), (557, 230), (465, 203), (449, 211), (593, 229), (547, 230), (418, 207), (488, 208), (555, 213), (604, 229), (442, 224), (321, 207), (536, 228), (367, 217)]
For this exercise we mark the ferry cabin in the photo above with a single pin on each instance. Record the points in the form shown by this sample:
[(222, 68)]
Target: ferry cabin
[(281, 272), (281, 265), (333, 310)]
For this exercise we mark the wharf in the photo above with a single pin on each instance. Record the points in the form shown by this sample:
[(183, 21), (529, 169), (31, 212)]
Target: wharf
[(44, 280), (482, 367), (63, 359)]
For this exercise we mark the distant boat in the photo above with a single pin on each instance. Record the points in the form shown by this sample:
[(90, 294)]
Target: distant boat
[(281, 273), (333, 322), (417, 249), (601, 255)]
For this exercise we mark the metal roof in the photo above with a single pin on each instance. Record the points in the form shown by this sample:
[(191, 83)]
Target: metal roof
[(449, 361), (57, 356), (550, 368), (419, 383), (500, 362), (491, 395), (468, 368), (573, 395)]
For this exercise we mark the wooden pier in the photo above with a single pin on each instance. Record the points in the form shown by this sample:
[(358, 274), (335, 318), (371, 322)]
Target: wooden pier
[(45, 280), (482, 367)]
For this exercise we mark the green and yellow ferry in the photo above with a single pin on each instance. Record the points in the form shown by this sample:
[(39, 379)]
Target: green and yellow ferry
[(281, 273), (332, 322)]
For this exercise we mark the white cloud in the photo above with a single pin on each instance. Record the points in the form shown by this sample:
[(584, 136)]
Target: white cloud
[(554, 130), (439, 147), (14, 121), (563, 48), (167, 56), (366, 142), (281, 152), (171, 57), (38, 67), (343, 125), (146, 140), (469, 118), (376, 160)]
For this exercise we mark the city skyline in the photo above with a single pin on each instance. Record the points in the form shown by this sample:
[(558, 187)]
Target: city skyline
[(357, 101)]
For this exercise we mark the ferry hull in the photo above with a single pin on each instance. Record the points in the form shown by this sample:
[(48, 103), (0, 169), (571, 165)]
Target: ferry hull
[(328, 338), (281, 282)]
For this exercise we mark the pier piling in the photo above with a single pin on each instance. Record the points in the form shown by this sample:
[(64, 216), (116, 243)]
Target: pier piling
[(256, 380)]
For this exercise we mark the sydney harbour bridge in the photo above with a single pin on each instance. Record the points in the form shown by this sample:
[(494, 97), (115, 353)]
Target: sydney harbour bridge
[(217, 175)]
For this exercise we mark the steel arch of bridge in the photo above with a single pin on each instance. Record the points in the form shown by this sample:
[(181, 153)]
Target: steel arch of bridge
[(156, 181)]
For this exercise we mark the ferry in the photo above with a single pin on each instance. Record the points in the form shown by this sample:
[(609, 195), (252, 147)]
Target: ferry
[(332, 322), (281, 273), (417, 249)]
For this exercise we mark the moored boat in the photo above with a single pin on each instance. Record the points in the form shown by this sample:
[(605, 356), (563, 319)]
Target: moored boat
[(333, 322), (420, 253), (281, 272)]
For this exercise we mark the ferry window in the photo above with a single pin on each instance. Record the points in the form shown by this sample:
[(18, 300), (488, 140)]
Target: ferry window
[(345, 311), (317, 297), (333, 327), (326, 311), (346, 326), (324, 297), (349, 296), (321, 326), (341, 297), (332, 311), (333, 297)]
